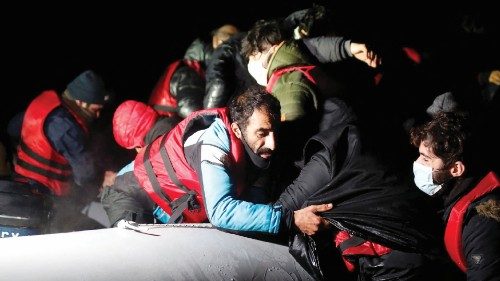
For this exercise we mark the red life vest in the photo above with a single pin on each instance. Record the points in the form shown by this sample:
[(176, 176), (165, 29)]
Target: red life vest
[(305, 69), (275, 76), (161, 98), (167, 152), (453, 231), (36, 158), (352, 246)]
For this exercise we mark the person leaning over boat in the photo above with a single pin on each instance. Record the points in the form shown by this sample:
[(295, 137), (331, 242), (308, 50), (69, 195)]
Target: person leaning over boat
[(53, 156), (213, 160), (135, 125)]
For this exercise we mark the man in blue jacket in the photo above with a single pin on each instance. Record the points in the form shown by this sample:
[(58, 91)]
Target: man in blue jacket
[(53, 157)]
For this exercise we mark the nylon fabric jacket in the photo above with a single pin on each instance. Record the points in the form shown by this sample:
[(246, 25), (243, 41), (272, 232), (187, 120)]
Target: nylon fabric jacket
[(368, 201), (186, 174), (480, 228), (226, 73), (298, 96), (49, 167), (180, 89)]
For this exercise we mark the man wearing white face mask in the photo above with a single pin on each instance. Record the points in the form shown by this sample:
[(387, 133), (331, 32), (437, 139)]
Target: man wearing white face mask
[(468, 194), (257, 67), (287, 68), (229, 72), (424, 178)]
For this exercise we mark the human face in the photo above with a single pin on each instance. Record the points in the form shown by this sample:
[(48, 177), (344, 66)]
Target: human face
[(428, 158), (263, 57), (257, 66), (93, 110), (259, 134), (440, 173)]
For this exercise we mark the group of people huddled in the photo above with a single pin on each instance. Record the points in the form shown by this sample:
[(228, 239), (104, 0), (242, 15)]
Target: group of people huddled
[(289, 133)]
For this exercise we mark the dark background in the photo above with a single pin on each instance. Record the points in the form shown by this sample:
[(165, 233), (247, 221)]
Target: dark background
[(45, 47)]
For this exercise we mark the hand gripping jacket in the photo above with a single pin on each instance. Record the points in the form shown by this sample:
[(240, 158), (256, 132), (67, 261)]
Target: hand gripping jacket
[(453, 231), (37, 159), (164, 173), (161, 99)]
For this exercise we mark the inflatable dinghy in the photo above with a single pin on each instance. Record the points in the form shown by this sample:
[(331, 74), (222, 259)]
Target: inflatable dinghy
[(146, 252)]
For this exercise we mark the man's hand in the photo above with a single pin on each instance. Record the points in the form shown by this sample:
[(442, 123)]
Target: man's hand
[(361, 52), (109, 178), (494, 77), (307, 220)]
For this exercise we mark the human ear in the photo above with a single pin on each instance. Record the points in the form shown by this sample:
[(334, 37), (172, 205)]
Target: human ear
[(457, 169), (236, 130)]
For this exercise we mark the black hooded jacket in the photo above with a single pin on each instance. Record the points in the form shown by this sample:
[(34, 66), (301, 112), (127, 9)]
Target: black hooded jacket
[(368, 201), (226, 73)]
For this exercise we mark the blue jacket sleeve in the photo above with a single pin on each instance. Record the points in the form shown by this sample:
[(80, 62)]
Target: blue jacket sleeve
[(68, 138), (128, 168), (224, 210)]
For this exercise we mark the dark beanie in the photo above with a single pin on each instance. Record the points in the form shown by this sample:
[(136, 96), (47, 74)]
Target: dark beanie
[(88, 87)]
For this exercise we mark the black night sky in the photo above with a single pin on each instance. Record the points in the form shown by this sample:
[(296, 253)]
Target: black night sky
[(130, 44)]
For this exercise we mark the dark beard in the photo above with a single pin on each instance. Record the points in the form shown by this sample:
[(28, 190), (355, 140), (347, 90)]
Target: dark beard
[(441, 176), (258, 161)]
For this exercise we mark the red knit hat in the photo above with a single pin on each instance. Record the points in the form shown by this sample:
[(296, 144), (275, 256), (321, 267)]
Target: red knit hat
[(131, 122)]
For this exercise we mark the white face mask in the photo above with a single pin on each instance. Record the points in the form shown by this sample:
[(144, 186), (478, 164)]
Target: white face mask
[(423, 179), (258, 72)]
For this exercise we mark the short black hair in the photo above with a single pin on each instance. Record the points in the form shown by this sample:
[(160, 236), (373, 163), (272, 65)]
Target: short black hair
[(242, 106)]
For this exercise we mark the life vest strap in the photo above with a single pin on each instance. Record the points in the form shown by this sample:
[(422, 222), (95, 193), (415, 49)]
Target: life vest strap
[(41, 159), (152, 176), (191, 202), (41, 171)]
